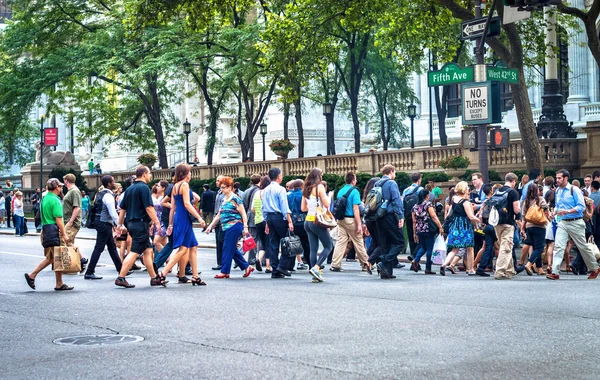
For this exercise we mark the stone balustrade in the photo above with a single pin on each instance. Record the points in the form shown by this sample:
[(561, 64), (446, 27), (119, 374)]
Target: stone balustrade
[(570, 154)]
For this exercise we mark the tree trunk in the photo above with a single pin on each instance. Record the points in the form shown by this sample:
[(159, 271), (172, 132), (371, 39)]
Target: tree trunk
[(529, 139), (153, 113), (286, 120), (355, 123), (299, 127), (440, 105), (212, 139)]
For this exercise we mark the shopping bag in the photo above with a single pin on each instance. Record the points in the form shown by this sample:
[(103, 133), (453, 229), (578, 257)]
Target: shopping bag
[(248, 244), (67, 259), (439, 251)]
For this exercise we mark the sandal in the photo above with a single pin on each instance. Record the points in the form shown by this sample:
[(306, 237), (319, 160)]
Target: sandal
[(451, 269), (64, 287), (30, 281), (198, 281), (183, 280)]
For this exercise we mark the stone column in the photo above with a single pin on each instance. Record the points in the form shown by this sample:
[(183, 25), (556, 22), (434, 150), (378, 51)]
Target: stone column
[(579, 77)]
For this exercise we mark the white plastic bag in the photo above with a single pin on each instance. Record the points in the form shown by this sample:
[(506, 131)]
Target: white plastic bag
[(439, 251)]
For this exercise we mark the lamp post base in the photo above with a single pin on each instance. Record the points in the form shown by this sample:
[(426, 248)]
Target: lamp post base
[(553, 123)]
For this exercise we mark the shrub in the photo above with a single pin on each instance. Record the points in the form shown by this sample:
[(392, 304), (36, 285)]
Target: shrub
[(147, 159), (244, 182), (494, 175), (281, 145), (455, 162), (436, 176)]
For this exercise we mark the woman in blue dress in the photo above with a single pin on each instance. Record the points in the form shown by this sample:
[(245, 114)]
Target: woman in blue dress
[(180, 225), (233, 219), (460, 234)]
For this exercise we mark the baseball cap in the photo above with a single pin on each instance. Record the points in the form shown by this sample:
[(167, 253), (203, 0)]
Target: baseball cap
[(53, 183)]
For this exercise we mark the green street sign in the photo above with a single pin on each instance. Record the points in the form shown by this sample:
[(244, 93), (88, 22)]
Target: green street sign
[(502, 74), (451, 73)]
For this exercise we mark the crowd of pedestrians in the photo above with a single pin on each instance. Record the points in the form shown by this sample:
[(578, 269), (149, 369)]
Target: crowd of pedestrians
[(551, 217)]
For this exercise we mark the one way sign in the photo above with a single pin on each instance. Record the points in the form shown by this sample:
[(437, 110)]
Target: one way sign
[(473, 29)]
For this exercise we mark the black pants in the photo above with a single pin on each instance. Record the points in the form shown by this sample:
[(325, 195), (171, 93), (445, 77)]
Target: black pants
[(278, 229), (301, 233), (9, 217), (104, 239), (220, 238), (391, 238), (411, 237), (374, 250)]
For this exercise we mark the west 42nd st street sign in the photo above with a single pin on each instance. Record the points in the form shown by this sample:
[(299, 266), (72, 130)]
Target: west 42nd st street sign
[(451, 73), (503, 74)]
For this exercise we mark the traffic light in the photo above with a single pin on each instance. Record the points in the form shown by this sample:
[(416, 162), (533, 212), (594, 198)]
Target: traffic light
[(530, 5), (514, 3)]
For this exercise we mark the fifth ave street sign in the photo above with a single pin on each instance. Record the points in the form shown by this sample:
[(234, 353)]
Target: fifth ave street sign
[(476, 103)]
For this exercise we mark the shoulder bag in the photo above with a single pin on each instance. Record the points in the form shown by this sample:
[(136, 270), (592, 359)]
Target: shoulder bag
[(323, 217), (291, 245)]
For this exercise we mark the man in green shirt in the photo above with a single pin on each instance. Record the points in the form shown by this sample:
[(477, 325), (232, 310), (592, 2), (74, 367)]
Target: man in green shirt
[(51, 213), (436, 191), (91, 166)]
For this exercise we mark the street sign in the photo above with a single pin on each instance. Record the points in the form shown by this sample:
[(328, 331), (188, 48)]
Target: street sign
[(451, 73), (51, 136), (502, 74), (473, 29), (476, 103), (469, 138), (499, 138)]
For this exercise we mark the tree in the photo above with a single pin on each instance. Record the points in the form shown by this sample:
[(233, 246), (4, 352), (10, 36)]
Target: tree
[(57, 47), (511, 51), (589, 19)]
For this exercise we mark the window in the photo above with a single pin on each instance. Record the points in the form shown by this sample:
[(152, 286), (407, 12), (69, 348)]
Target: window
[(506, 96), (454, 101)]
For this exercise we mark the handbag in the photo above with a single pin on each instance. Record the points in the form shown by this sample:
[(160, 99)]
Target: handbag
[(67, 259), (291, 245), (50, 236), (248, 243), (535, 215), (324, 218)]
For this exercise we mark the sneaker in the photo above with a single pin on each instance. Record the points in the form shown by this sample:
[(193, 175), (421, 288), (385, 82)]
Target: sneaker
[(302, 266), (316, 275)]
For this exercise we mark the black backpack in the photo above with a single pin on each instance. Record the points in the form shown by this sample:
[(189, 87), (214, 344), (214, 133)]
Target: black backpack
[(95, 210), (497, 203), (410, 200), (340, 204)]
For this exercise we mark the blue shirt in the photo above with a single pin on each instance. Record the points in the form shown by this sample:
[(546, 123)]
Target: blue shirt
[(566, 201), (391, 193), (274, 199), (294, 198), (524, 191), (478, 198), (353, 199), (410, 189)]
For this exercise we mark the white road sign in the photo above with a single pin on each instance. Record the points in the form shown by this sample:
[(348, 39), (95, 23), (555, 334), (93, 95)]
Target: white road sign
[(477, 103)]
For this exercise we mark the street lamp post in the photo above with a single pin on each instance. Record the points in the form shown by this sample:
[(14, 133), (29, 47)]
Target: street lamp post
[(328, 112), (412, 113), (187, 129), (41, 152), (263, 132)]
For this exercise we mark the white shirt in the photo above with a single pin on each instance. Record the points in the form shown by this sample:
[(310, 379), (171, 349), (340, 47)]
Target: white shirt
[(109, 200)]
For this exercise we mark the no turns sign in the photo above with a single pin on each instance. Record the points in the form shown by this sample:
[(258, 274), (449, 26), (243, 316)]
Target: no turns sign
[(477, 101)]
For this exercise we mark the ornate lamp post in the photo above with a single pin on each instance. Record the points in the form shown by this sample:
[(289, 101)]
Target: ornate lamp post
[(263, 132), (412, 113), (328, 112), (187, 129)]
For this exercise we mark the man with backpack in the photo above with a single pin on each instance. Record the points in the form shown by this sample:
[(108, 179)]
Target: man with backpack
[(410, 198), (384, 205), (570, 207), (347, 213), (105, 219), (505, 209)]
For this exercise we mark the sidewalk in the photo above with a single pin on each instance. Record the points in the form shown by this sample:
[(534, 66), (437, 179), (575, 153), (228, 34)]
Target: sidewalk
[(204, 240)]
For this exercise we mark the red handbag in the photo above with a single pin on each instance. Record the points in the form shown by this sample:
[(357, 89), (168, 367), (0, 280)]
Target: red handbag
[(248, 244)]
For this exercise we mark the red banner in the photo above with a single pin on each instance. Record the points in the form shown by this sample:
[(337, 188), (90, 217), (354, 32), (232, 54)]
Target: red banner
[(51, 136)]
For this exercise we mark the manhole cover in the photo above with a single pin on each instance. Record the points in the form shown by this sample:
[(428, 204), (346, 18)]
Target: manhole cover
[(94, 340)]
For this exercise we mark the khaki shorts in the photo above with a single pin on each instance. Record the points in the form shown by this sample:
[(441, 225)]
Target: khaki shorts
[(71, 234)]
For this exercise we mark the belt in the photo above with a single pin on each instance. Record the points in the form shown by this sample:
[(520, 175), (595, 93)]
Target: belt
[(348, 216), (570, 220), (273, 213)]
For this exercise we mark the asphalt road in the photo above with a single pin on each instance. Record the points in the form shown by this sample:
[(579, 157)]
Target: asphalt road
[(353, 326)]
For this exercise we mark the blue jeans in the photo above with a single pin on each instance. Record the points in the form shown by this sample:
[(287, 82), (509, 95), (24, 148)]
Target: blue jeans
[(163, 255), (230, 251), (487, 258), (316, 234), (426, 242), (19, 226), (537, 236), (278, 229)]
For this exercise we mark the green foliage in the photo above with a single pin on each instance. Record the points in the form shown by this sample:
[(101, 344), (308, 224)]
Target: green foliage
[(61, 172), (244, 182), (281, 145), (494, 175), (436, 176), (289, 178), (454, 162)]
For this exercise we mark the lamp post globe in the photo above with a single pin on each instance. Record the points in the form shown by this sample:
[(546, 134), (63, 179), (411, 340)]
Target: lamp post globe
[(263, 132), (187, 129)]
